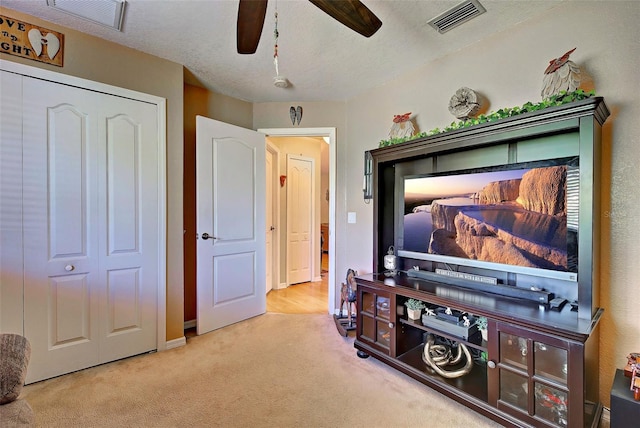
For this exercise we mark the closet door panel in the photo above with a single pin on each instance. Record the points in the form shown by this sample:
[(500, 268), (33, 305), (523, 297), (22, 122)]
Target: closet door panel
[(123, 172), (61, 281), (68, 310), (11, 302), (130, 202), (67, 169)]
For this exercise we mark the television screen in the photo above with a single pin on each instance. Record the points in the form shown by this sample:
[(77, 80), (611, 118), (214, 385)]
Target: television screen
[(520, 218)]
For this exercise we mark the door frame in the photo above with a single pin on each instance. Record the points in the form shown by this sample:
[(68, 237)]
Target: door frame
[(331, 134), (161, 105), (275, 195)]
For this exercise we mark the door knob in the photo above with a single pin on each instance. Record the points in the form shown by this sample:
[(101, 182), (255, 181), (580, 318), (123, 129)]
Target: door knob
[(206, 236), (491, 364), (69, 268), (272, 228)]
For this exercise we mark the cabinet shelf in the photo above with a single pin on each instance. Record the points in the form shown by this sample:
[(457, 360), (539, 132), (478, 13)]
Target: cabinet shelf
[(474, 383)]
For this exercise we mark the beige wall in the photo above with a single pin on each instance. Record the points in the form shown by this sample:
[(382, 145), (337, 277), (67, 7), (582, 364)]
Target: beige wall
[(508, 69), (314, 115), (101, 61)]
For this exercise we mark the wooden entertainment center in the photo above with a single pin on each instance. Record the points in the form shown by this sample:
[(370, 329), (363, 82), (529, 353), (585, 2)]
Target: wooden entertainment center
[(539, 365)]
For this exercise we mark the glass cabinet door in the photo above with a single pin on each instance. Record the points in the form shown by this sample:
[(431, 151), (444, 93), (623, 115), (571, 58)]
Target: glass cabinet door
[(550, 362), (550, 373), (532, 376), (375, 319), (513, 368)]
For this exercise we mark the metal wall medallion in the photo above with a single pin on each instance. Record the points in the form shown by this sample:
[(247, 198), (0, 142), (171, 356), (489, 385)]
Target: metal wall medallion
[(464, 103)]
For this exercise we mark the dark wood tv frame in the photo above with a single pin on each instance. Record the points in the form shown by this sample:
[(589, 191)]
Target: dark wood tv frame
[(395, 340)]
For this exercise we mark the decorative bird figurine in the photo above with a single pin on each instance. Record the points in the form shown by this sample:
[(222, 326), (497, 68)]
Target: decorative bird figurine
[(561, 75), (402, 126)]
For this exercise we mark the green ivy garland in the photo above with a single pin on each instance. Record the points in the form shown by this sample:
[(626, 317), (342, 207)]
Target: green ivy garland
[(555, 100)]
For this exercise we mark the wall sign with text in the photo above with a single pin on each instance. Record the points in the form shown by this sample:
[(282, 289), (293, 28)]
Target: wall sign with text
[(30, 41)]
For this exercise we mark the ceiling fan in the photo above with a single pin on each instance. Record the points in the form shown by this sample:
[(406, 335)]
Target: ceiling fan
[(352, 13)]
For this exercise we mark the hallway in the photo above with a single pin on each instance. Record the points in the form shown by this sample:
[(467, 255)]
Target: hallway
[(304, 298)]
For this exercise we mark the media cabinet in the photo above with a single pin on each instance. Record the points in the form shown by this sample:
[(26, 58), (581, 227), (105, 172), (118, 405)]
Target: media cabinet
[(538, 365)]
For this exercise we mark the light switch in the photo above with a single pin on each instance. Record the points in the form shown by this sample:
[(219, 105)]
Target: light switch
[(351, 217)]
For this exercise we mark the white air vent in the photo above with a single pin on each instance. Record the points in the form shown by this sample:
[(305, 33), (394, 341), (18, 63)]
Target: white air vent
[(105, 12), (459, 14)]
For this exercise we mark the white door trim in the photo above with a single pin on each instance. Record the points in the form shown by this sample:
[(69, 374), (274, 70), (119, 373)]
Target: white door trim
[(275, 273), (331, 134), (161, 104)]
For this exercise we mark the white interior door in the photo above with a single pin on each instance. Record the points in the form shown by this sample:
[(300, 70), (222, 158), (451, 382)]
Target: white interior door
[(300, 173), (230, 203), (90, 180)]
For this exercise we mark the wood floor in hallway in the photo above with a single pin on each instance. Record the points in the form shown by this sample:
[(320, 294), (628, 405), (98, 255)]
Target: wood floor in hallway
[(303, 298)]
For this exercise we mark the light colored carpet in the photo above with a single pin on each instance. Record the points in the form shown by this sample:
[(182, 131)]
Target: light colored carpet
[(275, 370)]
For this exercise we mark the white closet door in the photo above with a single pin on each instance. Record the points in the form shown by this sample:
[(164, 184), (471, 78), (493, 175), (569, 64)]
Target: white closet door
[(11, 264), (128, 206), (90, 227), (61, 282)]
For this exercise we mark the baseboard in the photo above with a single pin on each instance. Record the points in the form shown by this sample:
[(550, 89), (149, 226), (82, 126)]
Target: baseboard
[(176, 343), (190, 324), (317, 278), (282, 286)]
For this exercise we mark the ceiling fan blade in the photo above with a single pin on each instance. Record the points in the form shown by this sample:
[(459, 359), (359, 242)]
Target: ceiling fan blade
[(251, 15), (351, 13)]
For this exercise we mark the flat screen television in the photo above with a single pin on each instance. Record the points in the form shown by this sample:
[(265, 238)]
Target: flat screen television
[(520, 218)]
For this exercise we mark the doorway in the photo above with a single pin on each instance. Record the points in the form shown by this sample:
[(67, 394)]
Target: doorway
[(190, 299), (327, 194)]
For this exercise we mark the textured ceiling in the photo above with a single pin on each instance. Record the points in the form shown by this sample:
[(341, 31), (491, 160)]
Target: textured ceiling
[(323, 60)]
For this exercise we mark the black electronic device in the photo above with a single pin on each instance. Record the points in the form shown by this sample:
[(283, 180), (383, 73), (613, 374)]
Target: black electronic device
[(624, 409), (557, 303), (535, 295), (462, 329)]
